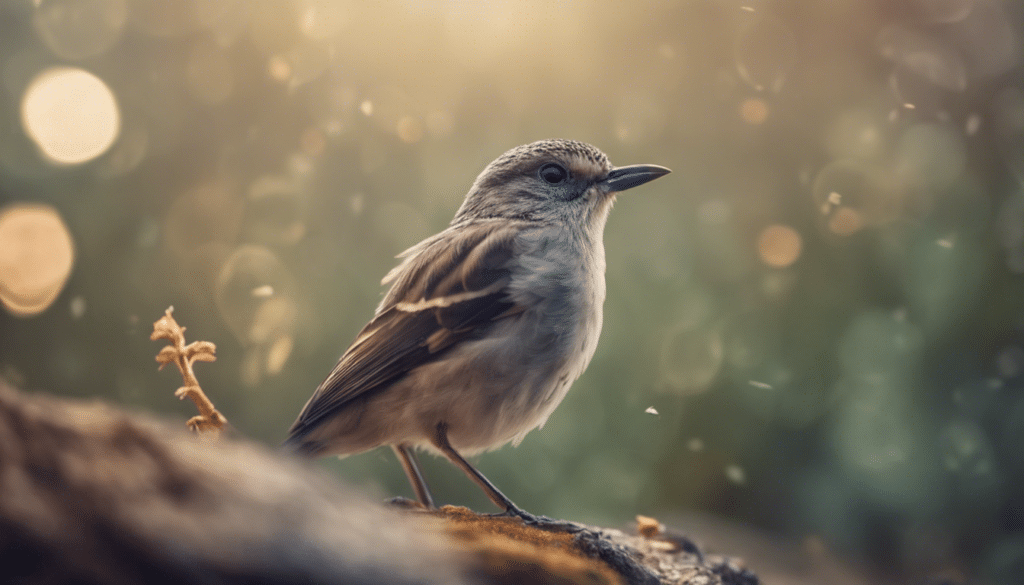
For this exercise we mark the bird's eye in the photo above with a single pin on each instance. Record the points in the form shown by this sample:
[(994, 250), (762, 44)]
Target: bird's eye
[(553, 173)]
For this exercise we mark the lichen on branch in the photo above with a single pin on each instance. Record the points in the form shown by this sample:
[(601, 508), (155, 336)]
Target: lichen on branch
[(183, 356)]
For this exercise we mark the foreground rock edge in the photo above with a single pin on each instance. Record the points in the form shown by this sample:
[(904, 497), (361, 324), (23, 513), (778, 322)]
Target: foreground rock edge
[(94, 493)]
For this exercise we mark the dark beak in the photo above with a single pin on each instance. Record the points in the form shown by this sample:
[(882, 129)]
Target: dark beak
[(622, 178)]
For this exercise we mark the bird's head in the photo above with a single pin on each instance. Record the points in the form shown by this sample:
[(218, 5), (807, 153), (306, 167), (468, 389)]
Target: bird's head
[(552, 180)]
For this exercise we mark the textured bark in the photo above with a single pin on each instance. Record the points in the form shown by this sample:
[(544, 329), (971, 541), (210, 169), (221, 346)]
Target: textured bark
[(92, 494)]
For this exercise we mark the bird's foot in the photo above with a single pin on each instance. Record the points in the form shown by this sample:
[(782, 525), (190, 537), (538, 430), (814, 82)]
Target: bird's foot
[(513, 511), (541, 522), (405, 504)]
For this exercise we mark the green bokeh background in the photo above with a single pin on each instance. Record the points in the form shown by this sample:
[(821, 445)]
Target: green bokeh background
[(274, 156)]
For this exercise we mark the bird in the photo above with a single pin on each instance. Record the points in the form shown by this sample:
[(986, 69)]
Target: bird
[(485, 325)]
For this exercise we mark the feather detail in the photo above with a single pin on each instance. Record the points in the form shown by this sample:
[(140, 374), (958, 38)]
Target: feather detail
[(448, 301), (448, 288)]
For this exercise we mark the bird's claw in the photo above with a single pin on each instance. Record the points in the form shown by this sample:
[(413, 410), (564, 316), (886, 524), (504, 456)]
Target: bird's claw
[(541, 522), (515, 512)]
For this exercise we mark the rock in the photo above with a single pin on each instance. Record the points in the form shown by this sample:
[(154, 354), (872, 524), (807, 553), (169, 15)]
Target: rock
[(90, 493)]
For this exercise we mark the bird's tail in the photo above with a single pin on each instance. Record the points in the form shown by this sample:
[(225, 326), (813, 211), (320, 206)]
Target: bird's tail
[(298, 443)]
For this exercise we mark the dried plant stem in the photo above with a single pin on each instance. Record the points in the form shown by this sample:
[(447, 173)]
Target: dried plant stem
[(183, 356)]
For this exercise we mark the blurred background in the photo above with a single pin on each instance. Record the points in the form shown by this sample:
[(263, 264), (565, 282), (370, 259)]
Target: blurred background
[(814, 326)]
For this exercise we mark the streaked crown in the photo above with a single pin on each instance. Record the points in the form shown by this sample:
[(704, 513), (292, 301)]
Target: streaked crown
[(535, 181)]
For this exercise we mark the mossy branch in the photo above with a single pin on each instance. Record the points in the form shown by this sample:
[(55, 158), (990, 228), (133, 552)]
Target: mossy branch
[(183, 356)]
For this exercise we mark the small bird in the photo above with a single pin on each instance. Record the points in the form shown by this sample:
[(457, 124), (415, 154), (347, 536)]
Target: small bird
[(486, 324)]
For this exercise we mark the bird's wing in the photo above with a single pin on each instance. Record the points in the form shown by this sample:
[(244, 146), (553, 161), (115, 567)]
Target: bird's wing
[(447, 289)]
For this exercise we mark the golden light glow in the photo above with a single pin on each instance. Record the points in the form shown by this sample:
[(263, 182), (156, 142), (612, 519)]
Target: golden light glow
[(779, 246), (754, 111), (36, 256), (70, 114), (277, 355), (845, 222), (409, 129), (278, 68), (322, 20)]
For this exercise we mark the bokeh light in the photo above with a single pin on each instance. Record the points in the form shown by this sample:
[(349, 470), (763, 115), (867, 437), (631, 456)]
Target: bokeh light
[(693, 348), (765, 51), (922, 62), (754, 111), (822, 302), (691, 359), (409, 129), (863, 192), (254, 293), (36, 257), (70, 114), (845, 221), (275, 211), (779, 246), (252, 290), (322, 20), (858, 134)]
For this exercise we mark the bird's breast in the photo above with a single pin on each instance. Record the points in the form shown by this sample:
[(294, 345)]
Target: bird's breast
[(523, 368), (559, 280)]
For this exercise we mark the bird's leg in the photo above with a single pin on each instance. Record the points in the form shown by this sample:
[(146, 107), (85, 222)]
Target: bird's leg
[(441, 442), (412, 471)]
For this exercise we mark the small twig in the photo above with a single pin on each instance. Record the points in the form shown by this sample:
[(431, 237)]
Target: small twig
[(184, 356)]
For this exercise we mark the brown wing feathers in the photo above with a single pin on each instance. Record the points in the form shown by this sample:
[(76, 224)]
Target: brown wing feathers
[(443, 293)]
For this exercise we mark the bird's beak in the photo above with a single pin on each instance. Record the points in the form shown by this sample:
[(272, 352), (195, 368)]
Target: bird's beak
[(622, 178)]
